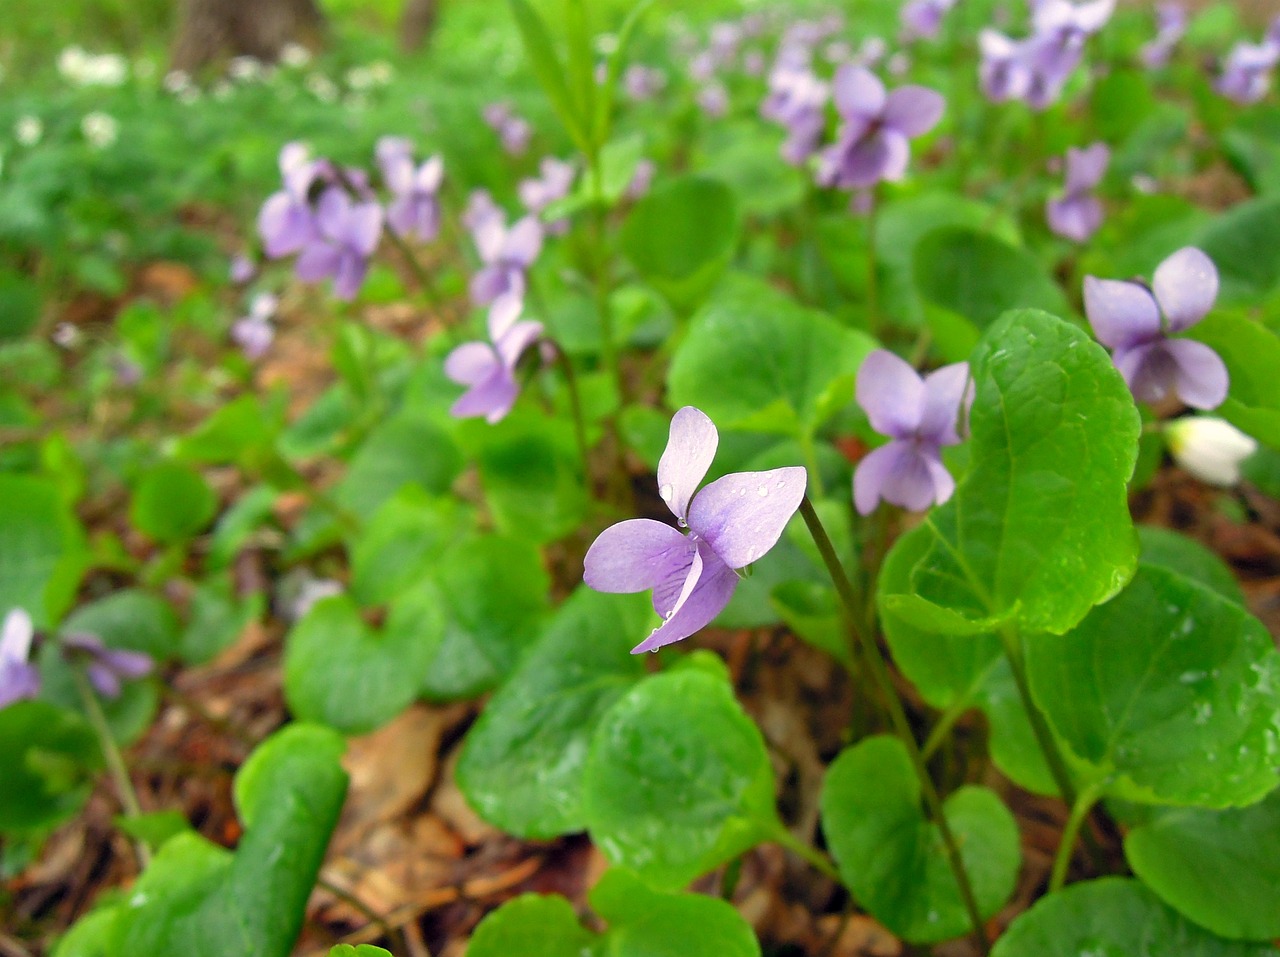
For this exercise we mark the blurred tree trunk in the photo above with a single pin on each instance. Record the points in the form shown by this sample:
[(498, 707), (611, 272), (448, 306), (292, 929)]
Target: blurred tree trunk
[(417, 21), (210, 29)]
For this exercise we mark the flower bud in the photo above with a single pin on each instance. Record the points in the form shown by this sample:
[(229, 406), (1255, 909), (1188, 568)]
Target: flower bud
[(1210, 449)]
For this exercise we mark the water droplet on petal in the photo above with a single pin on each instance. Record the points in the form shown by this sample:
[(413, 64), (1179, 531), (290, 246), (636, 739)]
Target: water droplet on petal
[(682, 523), (780, 483), (667, 492), (762, 491)]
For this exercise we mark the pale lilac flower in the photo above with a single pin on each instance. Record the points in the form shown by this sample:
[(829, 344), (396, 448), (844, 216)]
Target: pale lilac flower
[(1037, 69), (1137, 322), (643, 82), (753, 63), (1061, 29), (732, 523), (553, 185), (507, 255), (1171, 25), (346, 236), (922, 19), (127, 371), (797, 100), (488, 371), (702, 68), (19, 679), (106, 667), (874, 139), (414, 209), (713, 100), (480, 209), (242, 269), (1246, 75), (512, 130), (286, 222), (253, 333), (1004, 73), (641, 179), (1077, 213), (920, 417)]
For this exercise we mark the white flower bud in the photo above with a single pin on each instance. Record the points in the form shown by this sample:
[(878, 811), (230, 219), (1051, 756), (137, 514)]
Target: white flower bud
[(1210, 449)]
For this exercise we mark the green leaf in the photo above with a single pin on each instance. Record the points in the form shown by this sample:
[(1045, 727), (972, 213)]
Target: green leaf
[(47, 754), (131, 619), (1112, 916), (893, 860), (744, 155), (1178, 553), (521, 767), (549, 72), (1219, 868), (532, 475), (532, 925), (681, 237), (363, 950), (19, 304), (216, 618), (1039, 528), (754, 359), (242, 432), (980, 276), (677, 780), (403, 542), (42, 549), (1252, 355), (644, 922), (493, 590), (407, 449), (340, 671), (155, 828), (811, 610), (1244, 243), (1182, 711), (172, 503)]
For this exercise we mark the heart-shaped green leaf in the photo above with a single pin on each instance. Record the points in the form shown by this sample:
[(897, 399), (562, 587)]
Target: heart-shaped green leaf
[(522, 765), (532, 925), (894, 861), (1112, 916), (677, 780), (47, 754), (1251, 352), (1182, 711), (172, 503), (42, 549)]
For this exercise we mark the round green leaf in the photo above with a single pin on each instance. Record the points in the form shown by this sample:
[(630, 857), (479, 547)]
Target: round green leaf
[(1166, 548), (1244, 243), (47, 754), (1220, 868), (893, 859), (172, 503), (1109, 917), (42, 549), (402, 543), (532, 925), (1251, 352), (522, 764), (341, 672), (681, 237), (1039, 528), (1165, 695), (755, 359), (677, 780), (408, 449)]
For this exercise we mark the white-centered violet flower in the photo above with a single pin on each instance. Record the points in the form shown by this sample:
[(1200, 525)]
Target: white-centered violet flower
[(19, 679), (1210, 449), (874, 140), (107, 668), (1138, 323), (920, 416), (346, 235), (1077, 213), (488, 370), (1246, 74), (732, 522), (797, 100)]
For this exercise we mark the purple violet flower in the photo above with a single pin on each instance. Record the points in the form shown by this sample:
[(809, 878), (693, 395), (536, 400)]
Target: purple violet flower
[(874, 139), (507, 255), (641, 179), (922, 19), (1077, 214), (254, 333), (797, 100), (643, 82), (554, 184), (732, 523), (242, 269), (1171, 25), (480, 208), (106, 667), (713, 100), (347, 235), (1137, 322), (512, 130), (488, 371), (920, 416), (1246, 74), (1004, 73), (415, 207), (19, 679), (286, 222)]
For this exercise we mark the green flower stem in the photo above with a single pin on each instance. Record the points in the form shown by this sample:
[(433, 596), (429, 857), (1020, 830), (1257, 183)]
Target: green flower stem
[(1079, 812), (873, 282), (575, 403), (111, 753), (820, 862), (880, 672), (1044, 736), (942, 729)]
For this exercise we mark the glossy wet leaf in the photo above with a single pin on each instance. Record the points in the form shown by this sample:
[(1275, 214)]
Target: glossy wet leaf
[(1251, 352), (1112, 916), (1038, 530), (677, 780), (42, 549), (1182, 711), (1186, 556), (342, 672), (1219, 868), (522, 764), (172, 503), (894, 861), (48, 755), (756, 359), (681, 237), (402, 543), (532, 925)]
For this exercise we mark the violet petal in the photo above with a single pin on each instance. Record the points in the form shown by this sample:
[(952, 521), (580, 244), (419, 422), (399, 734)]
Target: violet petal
[(691, 446), (742, 515)]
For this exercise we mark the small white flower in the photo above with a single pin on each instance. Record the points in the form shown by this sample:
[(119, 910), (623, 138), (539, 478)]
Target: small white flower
[(28, 130), (222, 91), (71, 63), (1210, 449), (321, 87), (66, 335), (100, 129), (176, 81), (245, 69), (380, 72), (295, 55)]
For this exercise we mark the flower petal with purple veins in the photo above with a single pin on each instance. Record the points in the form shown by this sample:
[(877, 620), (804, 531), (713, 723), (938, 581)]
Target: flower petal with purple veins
[(637, 555), (891, 393), (1122, 314), (742, 515), (691, 447), (1185, 286), (709, 596)]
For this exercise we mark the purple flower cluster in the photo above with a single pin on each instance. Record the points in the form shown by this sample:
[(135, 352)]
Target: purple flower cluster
[(797, 101), (920, 416), (414, 210), (1246, 73), (513, 131), (553, 185), (732, 522), (1171, 25), (254, 333), (1138, 324), (922, 19), (1077, 213), (316, 217), (1037, 68)]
